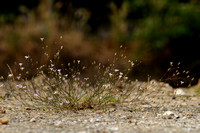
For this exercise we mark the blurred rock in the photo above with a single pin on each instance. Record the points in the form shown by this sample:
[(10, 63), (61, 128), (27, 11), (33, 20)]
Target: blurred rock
[(170, 115), (4, 121), (179, 92), (33, 120)]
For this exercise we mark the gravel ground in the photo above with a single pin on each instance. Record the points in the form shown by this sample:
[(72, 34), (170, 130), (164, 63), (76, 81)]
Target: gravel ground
[(129, 118)]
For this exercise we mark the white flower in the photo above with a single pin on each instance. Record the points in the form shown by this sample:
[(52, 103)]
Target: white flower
[(49, 98), (116, 70), (67, 102), (18, 77), (20, 64), (22, 68), (110, 74), (182, 82), (42, 39), (125, 77), (86, 79), (1, 85), (36, 95), (27, 56), (10, 75)]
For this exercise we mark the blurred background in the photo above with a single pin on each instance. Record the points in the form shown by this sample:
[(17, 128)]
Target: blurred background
[(155, 32)]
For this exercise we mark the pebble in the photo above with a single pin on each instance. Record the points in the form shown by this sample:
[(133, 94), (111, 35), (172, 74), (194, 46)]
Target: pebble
[(170, 115), (114, 128), (4, 121), (194, 98), (33, 120), (58, 123), (163, 109), (98, 119), (179, 92), (2, 111), (184, 104)]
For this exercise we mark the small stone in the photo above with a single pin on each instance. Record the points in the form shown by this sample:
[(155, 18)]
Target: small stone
[(114, 128), (98, 119), (163, 109), (33, 120), (194, 98), (170, 115), (27, 108), (179, 92), (2, 111), (184, 104), (4, 121), (58, 123), (189, 115)]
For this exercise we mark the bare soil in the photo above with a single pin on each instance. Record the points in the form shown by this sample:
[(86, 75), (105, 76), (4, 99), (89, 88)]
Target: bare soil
[(142, 116)]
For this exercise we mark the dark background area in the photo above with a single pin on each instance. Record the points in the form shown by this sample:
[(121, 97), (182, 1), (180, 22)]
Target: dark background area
[(154, 32)]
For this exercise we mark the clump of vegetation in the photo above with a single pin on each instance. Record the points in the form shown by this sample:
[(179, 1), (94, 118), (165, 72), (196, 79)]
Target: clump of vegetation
[(73, 86)]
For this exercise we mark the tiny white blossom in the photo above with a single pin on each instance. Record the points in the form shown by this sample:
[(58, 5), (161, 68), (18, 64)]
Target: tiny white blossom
[(18, 77), (116, 70), (67, 102), (125, 77), (49, 98), (42, 39), (1, 85), (22, 68), (27, 56), (36, 95), (10, 75), (19, 85), (86, 79), (24, 87), (182, 82)]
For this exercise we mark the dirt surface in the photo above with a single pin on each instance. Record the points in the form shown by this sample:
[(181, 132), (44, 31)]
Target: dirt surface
[(147, 116)]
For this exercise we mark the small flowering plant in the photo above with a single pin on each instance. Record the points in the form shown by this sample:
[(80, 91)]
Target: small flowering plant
[(67, 88)]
